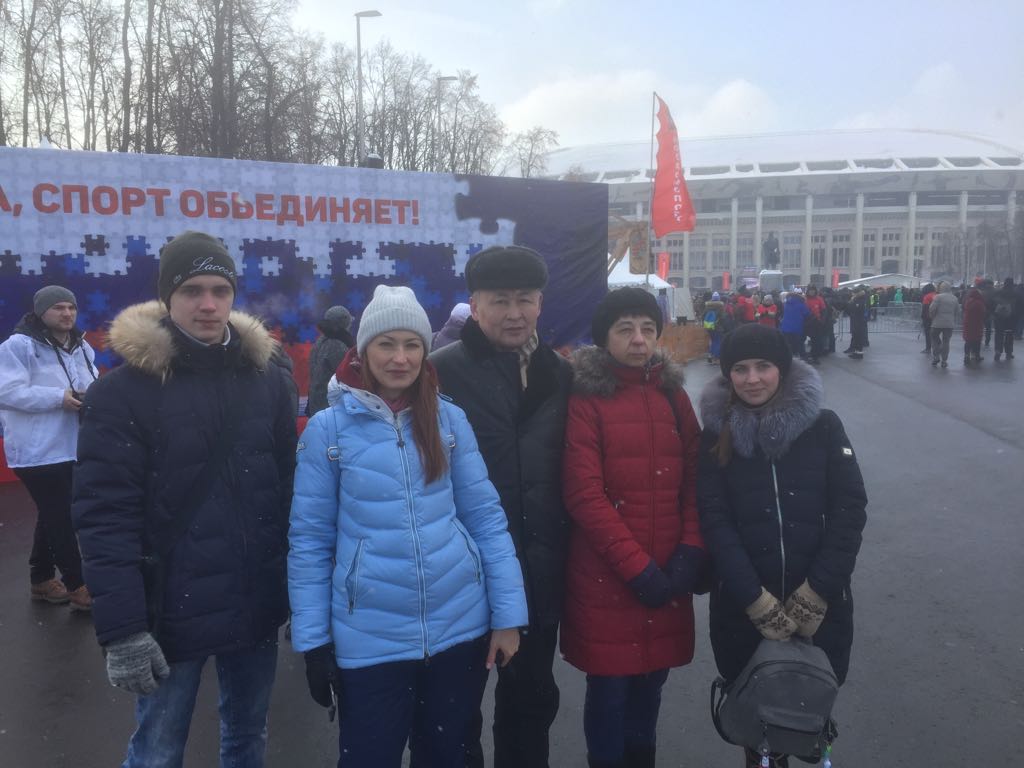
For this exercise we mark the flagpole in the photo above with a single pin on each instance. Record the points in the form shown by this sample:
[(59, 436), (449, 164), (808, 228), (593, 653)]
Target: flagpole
[(650, 199)]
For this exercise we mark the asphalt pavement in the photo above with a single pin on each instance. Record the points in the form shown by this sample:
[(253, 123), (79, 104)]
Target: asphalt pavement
[(937, 673)]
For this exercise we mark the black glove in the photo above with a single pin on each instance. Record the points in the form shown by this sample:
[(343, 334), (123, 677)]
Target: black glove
[(322, 674), (652, 587), (684, 567)]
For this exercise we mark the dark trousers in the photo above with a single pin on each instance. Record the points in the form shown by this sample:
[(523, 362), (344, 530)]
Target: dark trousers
[(428, 703), (1004, 340), (525, 705), (940, 343), (54, 544), (988, 328), (926, 327), (972, 350), (796, 343), (620, 714)]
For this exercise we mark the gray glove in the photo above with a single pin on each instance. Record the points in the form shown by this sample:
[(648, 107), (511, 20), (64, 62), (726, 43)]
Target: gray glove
[(136, 664)]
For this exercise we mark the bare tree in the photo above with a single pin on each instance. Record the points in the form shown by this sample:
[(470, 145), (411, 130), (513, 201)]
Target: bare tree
[(530, 148)]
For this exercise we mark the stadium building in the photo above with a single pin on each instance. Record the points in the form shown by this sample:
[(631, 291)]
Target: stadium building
[(846, 203)]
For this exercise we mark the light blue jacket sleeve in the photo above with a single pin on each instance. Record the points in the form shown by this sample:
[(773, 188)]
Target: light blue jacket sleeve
[(313, 535), (479, 509)]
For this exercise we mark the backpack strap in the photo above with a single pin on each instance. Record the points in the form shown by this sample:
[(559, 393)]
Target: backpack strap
[(717, 699), (334, 450)]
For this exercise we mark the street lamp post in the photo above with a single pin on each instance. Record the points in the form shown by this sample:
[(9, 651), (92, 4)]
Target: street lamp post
[(437, 132), (360, 146)]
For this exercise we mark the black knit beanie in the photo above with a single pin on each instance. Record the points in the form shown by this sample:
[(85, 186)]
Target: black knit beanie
[(506, 268), (755, 341), (189, 254), (623, 302)]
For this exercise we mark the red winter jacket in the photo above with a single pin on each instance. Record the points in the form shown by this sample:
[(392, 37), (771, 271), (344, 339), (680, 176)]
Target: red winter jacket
[(974, 315), (629, 482)]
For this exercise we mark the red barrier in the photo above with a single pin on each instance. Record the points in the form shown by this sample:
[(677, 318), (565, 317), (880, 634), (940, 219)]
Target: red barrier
[(6, 475)]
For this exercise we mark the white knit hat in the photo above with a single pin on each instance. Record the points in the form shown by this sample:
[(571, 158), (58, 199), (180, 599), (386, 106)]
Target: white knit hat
[(392, 309)]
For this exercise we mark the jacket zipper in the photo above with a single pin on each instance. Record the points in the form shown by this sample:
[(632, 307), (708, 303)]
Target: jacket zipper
[(352, 581), (782, 538), (417, 553)]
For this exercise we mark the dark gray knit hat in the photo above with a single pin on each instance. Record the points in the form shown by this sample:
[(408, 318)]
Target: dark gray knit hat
[(190, 254), (506, 268), (753, 341), (50, 295), (623, 302)]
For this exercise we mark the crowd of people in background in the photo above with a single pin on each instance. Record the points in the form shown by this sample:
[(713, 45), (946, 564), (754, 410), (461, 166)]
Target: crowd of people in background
[(989, 316)]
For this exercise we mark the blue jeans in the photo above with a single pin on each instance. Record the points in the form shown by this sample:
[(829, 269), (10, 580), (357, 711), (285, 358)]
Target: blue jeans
[(429, 703), (164, 717), (621, 713)]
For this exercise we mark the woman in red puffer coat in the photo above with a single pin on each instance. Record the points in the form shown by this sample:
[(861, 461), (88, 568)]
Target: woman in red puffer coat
[(635, 551), (974, 325)]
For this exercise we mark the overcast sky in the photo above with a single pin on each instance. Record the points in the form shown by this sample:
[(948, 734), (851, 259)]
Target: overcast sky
[(586, 68)]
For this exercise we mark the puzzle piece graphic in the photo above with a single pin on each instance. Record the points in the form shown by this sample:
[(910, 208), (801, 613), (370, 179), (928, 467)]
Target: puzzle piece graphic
[(95, 245)]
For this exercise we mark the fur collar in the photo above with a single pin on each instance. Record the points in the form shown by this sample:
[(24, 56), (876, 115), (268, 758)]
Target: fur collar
[(139, 335), (772, 427), (597, 374)]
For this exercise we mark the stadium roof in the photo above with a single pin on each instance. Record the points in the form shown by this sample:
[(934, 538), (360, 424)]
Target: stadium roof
[(798, 153)]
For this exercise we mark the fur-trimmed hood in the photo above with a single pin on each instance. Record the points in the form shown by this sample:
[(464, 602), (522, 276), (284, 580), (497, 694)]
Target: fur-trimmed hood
[(140, 336), (774, 426), (597, 373)]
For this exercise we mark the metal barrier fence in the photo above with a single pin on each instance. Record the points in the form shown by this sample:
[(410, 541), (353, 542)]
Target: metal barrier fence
[(895, 318)]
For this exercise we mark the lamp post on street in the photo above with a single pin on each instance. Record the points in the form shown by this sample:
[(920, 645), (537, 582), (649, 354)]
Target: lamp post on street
[(437, 132), (360, 146)]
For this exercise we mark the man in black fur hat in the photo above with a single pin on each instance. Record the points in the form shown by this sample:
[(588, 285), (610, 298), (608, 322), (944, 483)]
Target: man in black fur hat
[(515, 391)]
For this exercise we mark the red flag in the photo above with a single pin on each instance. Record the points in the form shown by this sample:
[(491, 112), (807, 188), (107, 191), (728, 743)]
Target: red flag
[(725, 280), (835, 279), (671, 209), (664, 259)]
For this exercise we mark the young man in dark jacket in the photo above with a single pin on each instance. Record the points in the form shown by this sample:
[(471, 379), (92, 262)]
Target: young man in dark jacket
[(1005, 309), (198, 389), (515, 391)]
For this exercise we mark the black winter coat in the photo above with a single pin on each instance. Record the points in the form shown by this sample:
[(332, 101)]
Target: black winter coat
[(788, 507), (521, 436), (148, 428)]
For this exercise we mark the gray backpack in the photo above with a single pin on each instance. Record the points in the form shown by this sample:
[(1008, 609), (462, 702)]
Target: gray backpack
[(780, 702)]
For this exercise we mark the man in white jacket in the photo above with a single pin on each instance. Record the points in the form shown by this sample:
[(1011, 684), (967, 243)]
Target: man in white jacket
[(45, 367)]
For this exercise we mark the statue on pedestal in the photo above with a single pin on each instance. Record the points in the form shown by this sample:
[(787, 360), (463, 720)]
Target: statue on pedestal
[(770, 255)]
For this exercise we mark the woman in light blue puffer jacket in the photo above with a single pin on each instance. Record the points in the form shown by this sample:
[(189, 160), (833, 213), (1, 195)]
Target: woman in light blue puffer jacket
[(405, 588)]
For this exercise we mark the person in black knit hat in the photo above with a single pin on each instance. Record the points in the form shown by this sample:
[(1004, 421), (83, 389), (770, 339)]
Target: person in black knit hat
[(620, 303), (782, 507), (635, 552)]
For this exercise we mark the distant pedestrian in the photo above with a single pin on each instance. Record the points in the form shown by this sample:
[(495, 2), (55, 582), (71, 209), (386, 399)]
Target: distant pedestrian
[(327, 354), (794, 322), (974, 325), (857, 312), (768, 312), (46, 366), (1006, 308), (452, 329), (927, 296), (714, 321), (942, 311)]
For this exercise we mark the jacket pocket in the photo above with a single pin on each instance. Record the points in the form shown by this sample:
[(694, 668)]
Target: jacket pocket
[(352, 579), (474, 557)]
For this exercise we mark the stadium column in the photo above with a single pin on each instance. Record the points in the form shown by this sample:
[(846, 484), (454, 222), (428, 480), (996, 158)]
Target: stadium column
[(911, 234), (734, 230), (963, 213), (857, 257), (686, 261), (758, 212), (1011, 207), (805, 248)]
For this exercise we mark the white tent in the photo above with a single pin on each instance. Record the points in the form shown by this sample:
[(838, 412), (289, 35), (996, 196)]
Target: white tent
[(679, 300)]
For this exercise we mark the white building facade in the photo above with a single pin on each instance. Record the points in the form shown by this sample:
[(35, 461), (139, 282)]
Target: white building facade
[(847, 204)]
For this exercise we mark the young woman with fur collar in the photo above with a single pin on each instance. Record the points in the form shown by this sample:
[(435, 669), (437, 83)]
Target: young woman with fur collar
[(782, 506), (629, 477)]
